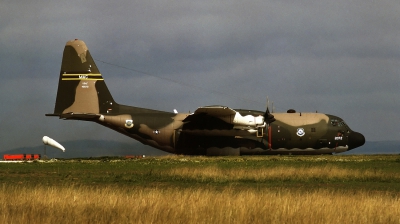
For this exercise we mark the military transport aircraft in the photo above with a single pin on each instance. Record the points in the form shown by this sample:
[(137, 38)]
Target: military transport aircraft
[(210, 130)]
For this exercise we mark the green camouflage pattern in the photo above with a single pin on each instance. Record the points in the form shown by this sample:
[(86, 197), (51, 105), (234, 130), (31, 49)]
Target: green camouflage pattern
[(211, 130)]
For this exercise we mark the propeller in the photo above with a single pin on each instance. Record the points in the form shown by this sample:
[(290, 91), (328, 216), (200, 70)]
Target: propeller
[(268, 117)]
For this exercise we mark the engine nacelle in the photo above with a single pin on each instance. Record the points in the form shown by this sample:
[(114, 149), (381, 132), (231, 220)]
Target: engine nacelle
[(245, 121)]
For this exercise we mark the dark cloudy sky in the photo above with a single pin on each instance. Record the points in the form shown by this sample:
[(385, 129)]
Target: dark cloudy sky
[(337, 57)]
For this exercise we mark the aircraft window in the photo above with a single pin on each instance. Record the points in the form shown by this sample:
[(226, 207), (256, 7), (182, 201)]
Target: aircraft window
[(335, 122)]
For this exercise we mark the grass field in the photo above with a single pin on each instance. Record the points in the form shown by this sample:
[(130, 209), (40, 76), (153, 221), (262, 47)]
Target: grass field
[(179, 189)]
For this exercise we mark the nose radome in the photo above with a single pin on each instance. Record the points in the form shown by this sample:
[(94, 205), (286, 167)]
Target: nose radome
[(356, 140)]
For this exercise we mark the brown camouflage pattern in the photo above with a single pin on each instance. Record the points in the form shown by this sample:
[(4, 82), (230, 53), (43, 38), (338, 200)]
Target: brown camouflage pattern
[(212, 130)]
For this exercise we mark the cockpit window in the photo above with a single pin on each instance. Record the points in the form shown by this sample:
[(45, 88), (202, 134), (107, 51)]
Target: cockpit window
[(335, 122)]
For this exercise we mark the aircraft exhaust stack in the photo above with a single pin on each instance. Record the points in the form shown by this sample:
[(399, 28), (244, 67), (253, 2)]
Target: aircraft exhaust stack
[(52, 142)]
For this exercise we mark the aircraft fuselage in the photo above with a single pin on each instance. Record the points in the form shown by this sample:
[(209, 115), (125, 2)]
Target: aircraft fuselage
[(211, 130), (291, 133)]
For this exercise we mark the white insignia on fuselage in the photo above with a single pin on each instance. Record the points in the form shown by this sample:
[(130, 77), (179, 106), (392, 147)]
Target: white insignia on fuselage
[(300, 132), (128, 123)]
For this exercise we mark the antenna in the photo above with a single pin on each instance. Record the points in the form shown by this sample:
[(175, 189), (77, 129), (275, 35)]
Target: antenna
[(273, 106)]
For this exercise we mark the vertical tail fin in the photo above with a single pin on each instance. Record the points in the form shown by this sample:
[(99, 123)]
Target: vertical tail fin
[(81, 87)]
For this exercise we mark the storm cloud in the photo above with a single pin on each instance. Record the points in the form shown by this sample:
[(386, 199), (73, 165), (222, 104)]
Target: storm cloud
[(336, 57)]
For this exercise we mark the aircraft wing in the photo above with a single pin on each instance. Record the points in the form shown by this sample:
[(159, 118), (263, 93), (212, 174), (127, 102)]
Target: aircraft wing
[(77, 116), (221, 117), (209, 117), (216, 111), (213, 111)]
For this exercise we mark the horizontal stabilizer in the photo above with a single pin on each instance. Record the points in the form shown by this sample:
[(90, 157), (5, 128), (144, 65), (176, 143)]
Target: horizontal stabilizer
[(52, 115), (79, 116)]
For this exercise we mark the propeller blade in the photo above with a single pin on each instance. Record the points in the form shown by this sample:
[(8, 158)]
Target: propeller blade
[(268, 117)]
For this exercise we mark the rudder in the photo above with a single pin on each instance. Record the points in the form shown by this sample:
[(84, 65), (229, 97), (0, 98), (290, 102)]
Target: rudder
[(81, 87)]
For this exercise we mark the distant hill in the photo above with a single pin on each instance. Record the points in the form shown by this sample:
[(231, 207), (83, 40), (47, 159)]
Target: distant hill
[(97, 148), (90, 148)]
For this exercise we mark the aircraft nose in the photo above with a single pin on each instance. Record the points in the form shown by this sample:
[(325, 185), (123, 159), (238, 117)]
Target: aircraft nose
[(356, 140)]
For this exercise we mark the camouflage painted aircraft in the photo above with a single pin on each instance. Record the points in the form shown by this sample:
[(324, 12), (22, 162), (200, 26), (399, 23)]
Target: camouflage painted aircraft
[(210, 130)]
